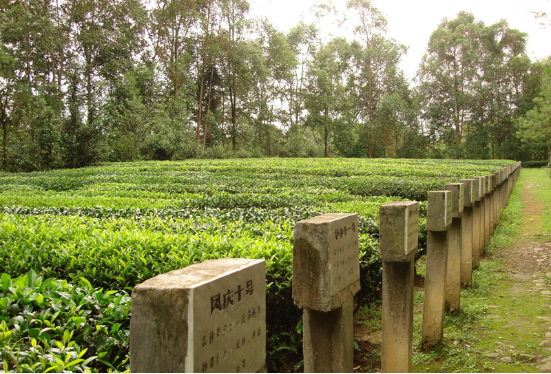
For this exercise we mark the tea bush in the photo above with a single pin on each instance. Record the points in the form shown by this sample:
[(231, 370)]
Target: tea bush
[(112, 226)]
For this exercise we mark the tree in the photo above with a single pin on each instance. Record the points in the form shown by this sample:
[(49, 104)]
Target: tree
[(326, 87), (6, 90), (234, 57), (370, 29), (107, 34), (535, 128), (503, 65), (448, 73)]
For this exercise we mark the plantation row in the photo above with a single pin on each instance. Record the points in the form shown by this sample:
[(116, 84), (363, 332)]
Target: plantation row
[(111, 227)]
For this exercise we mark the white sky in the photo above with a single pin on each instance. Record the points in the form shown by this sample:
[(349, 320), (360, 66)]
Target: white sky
[(412, 22)]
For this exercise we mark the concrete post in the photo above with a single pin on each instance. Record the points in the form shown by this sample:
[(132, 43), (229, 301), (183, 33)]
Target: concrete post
[(467, 230), (493, 199), (505, 186), (439, 218), (326, 275), (482, 238), (501, 194), (477, 227), (455, 245), (487, 210), (398, 222), (208, 317)]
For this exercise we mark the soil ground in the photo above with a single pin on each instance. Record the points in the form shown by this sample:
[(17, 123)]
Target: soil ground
[(505, 321)]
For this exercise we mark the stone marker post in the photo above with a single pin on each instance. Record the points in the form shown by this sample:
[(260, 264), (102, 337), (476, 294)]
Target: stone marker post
[(497, 197), (483, 192), (208, 317), (513, 177), (455, 245), (439, 218), (487, 210), (326, 276), (503, 187), (502, 197), (478, 231), (467, 236), (493, 212), (398, 241)]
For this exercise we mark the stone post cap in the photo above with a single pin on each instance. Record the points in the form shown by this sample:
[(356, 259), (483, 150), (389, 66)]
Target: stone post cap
[(489, 187), (494, 180), (458, 198), (481, 188), (195, 275), (477, 188), (179, 318), (468, 186), (398, 231), (439, 210), (484, 186), (326, 261)]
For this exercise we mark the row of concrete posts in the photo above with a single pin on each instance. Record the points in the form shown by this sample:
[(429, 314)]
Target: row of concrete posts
[(460, 220), (211, 317)]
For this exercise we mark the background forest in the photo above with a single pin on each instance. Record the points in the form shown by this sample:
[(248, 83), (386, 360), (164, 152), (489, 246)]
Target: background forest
[(85, 81)]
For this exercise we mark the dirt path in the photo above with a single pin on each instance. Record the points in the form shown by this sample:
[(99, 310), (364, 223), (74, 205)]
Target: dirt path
[(529, 265)]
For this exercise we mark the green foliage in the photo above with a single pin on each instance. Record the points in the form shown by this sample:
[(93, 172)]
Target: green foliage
[(119, 224), (50, 325), (535, 164)]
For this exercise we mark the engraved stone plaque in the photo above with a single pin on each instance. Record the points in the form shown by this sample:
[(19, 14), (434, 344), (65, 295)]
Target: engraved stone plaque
[(218, 323), (468, 185), (476, 188), (458, 198), (439, 210), (326, 266), (483, 186), (398, 231), (489, 187)]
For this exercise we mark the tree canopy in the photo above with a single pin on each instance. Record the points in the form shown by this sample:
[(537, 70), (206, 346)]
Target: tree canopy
[(85, 81)]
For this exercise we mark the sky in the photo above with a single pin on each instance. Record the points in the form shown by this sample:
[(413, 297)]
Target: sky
[(412, 22)]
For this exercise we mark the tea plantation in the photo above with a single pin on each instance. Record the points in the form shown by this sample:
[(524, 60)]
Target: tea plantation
[(73, 243)]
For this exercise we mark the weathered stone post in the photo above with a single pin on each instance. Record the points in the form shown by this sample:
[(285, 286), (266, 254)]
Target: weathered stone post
[(483, 186), (502, 204), (439, 218), (467, 230), (506, 183), (455, 245), (499, 188), (492, 194), (398, 241), (208, 317), (487, 210), (477, 226), (326, 276)]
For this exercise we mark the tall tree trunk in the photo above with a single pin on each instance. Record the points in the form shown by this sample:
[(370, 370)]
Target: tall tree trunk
[(209, 100), (4, 120), (456, 109), (326, 135), (200, 107), (233, 119), (88, 72), (369, 106)]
